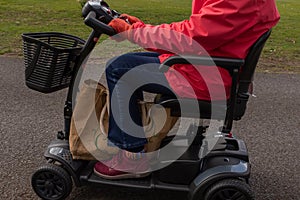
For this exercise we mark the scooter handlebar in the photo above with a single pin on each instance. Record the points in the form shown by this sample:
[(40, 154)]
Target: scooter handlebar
[(97, 25)]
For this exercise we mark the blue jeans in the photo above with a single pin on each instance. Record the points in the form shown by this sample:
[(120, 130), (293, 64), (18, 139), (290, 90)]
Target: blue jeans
[(127, 77)]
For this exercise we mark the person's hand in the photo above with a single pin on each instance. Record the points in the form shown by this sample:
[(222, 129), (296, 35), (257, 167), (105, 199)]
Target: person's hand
[(129, 18), (121, 28), (123, 24), (119, 25)]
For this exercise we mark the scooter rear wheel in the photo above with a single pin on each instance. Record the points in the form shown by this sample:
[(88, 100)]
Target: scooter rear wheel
[(51, 182), (229, 189)]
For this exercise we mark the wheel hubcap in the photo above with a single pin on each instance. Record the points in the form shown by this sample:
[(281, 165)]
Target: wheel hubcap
[(49, 184)]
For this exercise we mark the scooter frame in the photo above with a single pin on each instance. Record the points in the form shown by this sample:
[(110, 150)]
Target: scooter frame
[(224, 170)]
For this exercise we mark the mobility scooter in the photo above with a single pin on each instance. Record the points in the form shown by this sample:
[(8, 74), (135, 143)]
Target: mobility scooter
[(221, 172)]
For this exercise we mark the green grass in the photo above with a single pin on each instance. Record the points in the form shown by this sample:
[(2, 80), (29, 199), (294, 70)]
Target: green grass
[(65, 16), (282, 51), (280, 54), (21, 16)]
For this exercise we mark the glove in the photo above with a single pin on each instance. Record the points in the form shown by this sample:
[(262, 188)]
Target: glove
[(129, 18), (119, 25)]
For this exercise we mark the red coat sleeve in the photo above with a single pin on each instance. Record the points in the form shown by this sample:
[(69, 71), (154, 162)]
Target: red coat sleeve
[(212, 25)]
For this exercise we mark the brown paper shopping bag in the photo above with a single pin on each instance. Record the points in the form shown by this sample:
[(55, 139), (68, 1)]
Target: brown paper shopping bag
[(89, 124), (88, 137)]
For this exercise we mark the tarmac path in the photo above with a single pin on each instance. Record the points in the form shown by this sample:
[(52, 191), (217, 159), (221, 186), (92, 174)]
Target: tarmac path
[(29, 121)]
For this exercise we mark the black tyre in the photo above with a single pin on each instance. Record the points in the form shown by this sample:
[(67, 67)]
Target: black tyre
[(229, 189), (51, 182)]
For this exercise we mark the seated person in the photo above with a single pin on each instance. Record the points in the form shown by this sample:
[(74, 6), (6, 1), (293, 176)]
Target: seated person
[(224, 28)]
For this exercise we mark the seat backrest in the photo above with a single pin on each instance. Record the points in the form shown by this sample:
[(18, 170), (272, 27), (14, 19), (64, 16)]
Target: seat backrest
[(246, 75)]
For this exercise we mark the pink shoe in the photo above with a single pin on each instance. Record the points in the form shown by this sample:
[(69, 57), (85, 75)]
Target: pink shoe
[(123, 165)]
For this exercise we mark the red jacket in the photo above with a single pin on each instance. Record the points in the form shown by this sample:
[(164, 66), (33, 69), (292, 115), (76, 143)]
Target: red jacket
[(225, 28)]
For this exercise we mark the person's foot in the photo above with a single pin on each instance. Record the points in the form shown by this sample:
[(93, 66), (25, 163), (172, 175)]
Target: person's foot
[(123, 165)]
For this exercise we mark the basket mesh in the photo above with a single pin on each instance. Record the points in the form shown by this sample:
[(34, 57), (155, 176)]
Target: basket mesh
[(49, 59)]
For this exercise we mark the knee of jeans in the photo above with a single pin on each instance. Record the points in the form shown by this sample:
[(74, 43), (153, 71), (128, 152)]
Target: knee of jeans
[(110, 66), (112, 70), (108, 70), (113, 67)]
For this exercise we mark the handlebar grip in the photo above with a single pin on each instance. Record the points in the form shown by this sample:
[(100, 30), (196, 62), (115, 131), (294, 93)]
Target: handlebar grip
[(97, 25)]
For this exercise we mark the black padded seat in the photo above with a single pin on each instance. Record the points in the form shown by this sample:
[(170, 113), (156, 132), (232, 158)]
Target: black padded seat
[(234, 108), (204, 107)]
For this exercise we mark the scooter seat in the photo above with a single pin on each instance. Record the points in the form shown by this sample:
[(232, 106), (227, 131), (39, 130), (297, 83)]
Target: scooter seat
[(184, 107)]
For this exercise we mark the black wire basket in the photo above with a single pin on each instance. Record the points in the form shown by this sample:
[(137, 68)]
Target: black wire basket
[(49, 60)]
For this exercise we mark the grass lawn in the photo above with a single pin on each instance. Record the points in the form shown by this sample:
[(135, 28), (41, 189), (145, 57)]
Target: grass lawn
[(282, 51), (280, 54)]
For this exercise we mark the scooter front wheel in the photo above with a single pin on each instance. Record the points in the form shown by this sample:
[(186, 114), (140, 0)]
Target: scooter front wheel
[(51, 182)]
